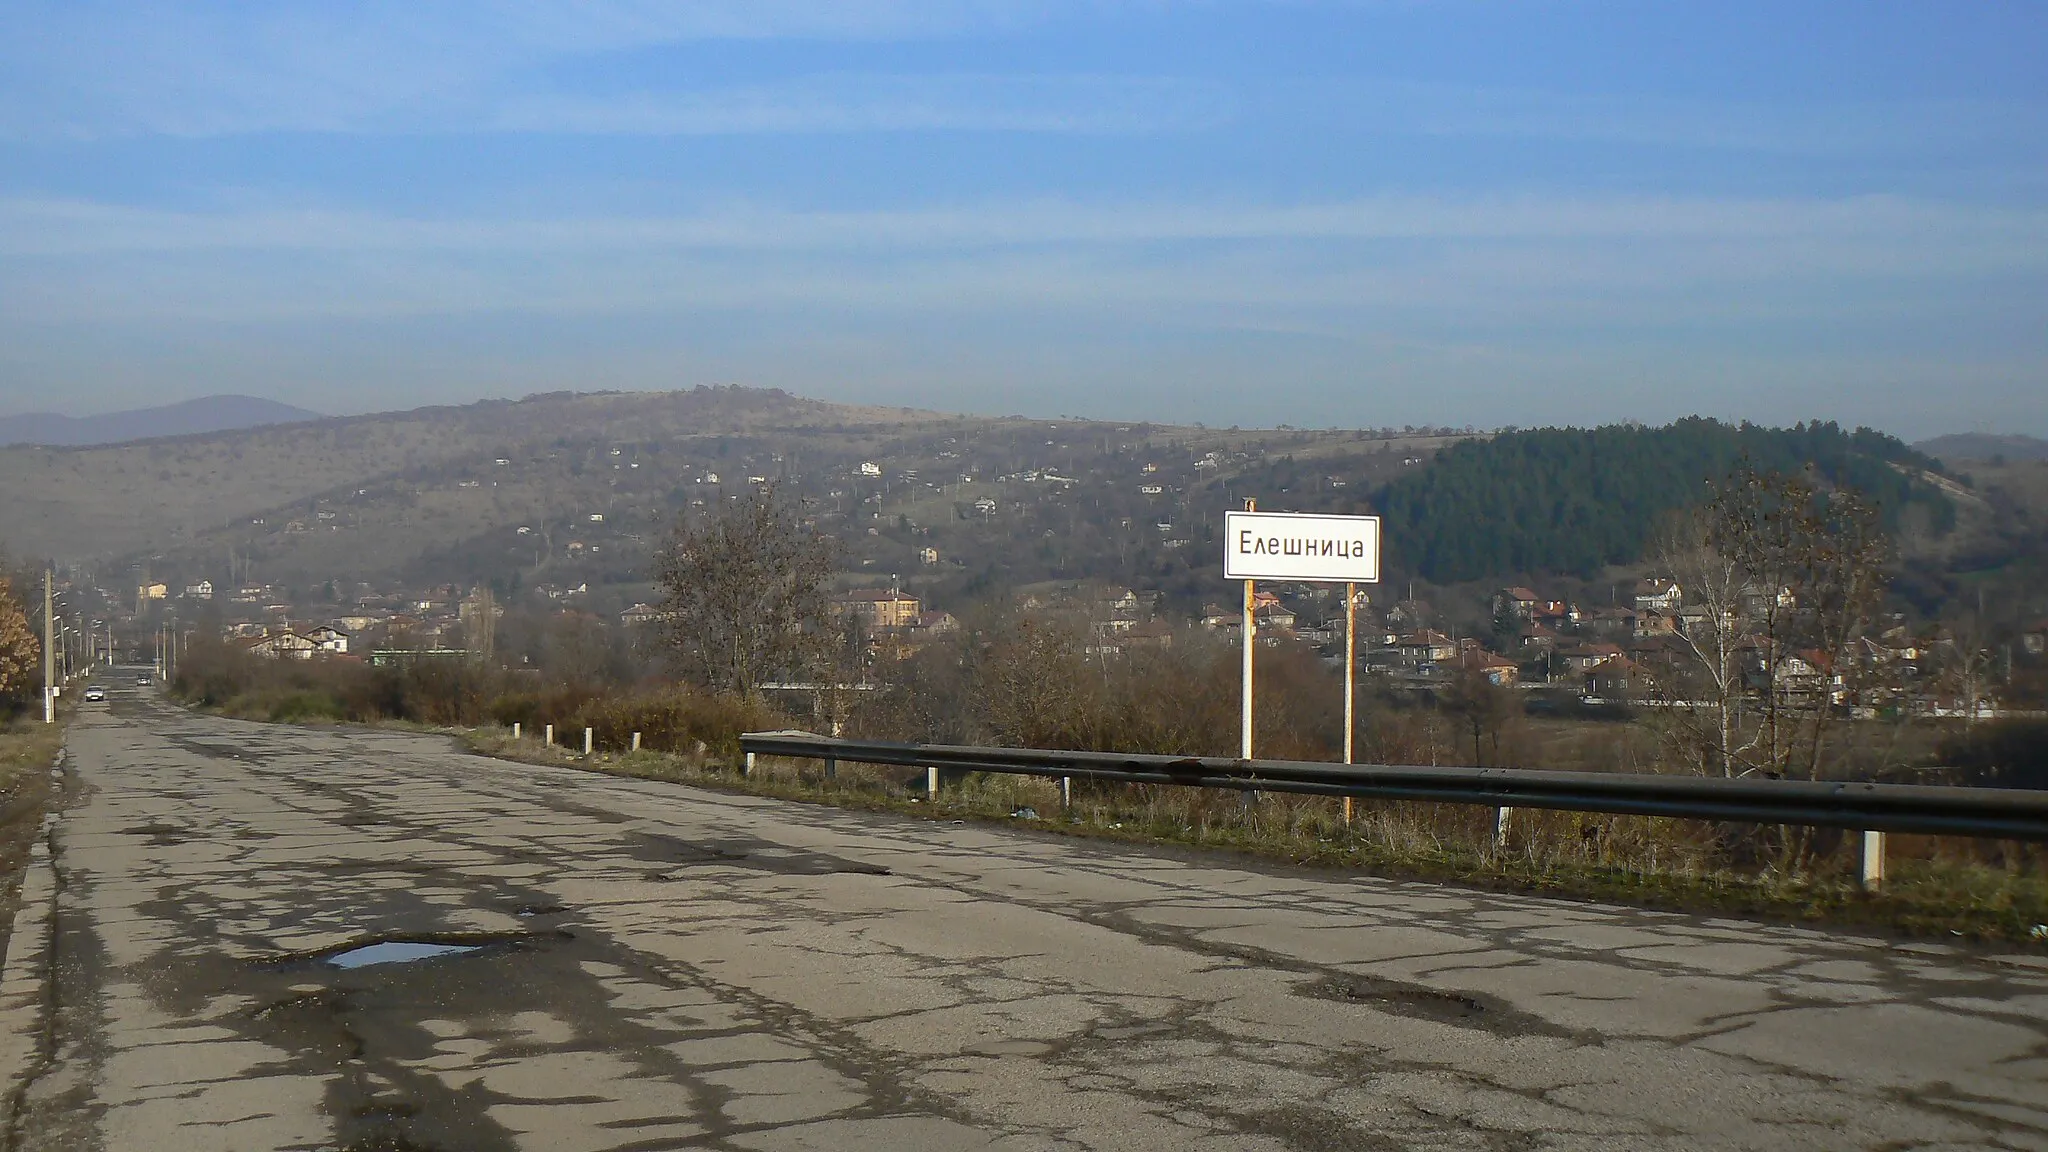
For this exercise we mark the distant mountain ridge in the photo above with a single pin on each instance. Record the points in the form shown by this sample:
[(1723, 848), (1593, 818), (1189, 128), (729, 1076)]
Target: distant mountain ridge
[(1984, 446), (187, 418)]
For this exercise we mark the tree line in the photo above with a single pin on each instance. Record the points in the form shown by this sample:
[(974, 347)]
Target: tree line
[(1571, 500)]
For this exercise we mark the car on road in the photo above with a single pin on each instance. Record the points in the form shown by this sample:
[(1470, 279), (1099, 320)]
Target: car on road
[(94, 693), (142, 680)]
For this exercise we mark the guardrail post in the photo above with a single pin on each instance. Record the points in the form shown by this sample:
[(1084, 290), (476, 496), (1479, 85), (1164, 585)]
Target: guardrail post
[(931, 784), (589, 739), (1501, 822), (747, 769), (515, 729), (636, 741), (831, 768), (1873, 861), (548, 736)]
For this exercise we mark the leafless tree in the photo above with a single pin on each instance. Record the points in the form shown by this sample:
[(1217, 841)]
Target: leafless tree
[(1788, 578), (1486, 709), (744, 595), (1701, 694)]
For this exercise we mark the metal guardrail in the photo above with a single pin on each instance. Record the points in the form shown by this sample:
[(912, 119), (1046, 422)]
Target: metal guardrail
[(1997, 813)]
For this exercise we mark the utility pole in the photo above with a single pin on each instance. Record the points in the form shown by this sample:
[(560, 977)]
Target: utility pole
[(49, 647)]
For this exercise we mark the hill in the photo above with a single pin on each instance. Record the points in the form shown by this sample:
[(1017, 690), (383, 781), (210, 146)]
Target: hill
[(146, 497), (1569, 500), (190, 417), (1983, 446), (956, 506)]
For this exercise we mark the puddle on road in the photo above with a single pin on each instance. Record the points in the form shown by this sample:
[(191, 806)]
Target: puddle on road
[(396, 952)]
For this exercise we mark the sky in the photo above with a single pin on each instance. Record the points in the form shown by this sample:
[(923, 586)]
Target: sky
[(1353, 214)]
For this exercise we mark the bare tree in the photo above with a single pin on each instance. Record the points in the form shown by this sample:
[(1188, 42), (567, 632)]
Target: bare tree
[(744, 595), (1786, 579), (1486, 709), (1702, 692)]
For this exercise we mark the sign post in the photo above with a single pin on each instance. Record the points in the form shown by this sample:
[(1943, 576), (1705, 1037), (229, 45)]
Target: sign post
[(1350, 676), (1306, 547), (1250, 631)]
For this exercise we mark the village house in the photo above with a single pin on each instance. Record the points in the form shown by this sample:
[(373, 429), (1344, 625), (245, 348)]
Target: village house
[(1497, 670), (1654, 622), (1428, 646), (1584, 657), (1615, 678), (1269, 613), (1608, 621), (328, 640), (1659, 594), (1409, 615), (640, 614), (1151, 634), (878, 607), (1518, 602), (284, 645)]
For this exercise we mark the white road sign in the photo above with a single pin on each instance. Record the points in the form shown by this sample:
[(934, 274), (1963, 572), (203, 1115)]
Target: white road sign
[(1301, 546)]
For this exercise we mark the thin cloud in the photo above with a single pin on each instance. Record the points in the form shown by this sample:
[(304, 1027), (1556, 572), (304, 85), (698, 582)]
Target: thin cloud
[(33, 227), (86, 71)]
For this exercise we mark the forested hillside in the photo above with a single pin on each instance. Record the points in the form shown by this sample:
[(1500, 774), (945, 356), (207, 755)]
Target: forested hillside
[(1575, 500)]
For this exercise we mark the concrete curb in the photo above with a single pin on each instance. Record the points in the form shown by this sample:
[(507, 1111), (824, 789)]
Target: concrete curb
[(24, 979)]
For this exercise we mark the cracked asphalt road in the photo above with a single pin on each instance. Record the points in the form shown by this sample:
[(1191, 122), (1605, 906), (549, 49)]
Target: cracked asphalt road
[(669, 968)]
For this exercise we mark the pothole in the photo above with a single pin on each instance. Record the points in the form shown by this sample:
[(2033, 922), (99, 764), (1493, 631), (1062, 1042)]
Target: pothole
[(1431, 1004), (404, 950), (396, 952), (753, 856)]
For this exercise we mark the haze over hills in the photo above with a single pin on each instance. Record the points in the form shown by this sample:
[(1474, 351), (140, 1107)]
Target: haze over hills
[(1984, 446), (186, 418), (123, 499), (578, 489)]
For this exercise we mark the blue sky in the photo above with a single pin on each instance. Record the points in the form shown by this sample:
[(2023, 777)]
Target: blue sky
[(1359, 213)]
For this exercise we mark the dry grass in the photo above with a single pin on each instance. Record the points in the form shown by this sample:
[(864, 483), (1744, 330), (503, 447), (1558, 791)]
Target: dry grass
[(27, 745)]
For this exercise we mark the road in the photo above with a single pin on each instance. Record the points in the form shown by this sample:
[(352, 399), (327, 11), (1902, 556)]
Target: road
[(660, 967)]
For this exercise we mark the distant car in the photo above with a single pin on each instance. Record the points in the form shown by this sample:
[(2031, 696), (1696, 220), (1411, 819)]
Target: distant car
[(95, 693), (143, 680)]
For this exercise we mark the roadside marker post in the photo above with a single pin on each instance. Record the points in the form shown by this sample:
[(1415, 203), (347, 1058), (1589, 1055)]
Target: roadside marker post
[(636, 741), (589, 740), (515, 729), (1873, 861), (548, 735), (931, 784)]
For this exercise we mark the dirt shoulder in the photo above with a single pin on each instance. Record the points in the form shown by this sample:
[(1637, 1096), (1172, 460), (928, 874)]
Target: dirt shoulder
[(27, 750)]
